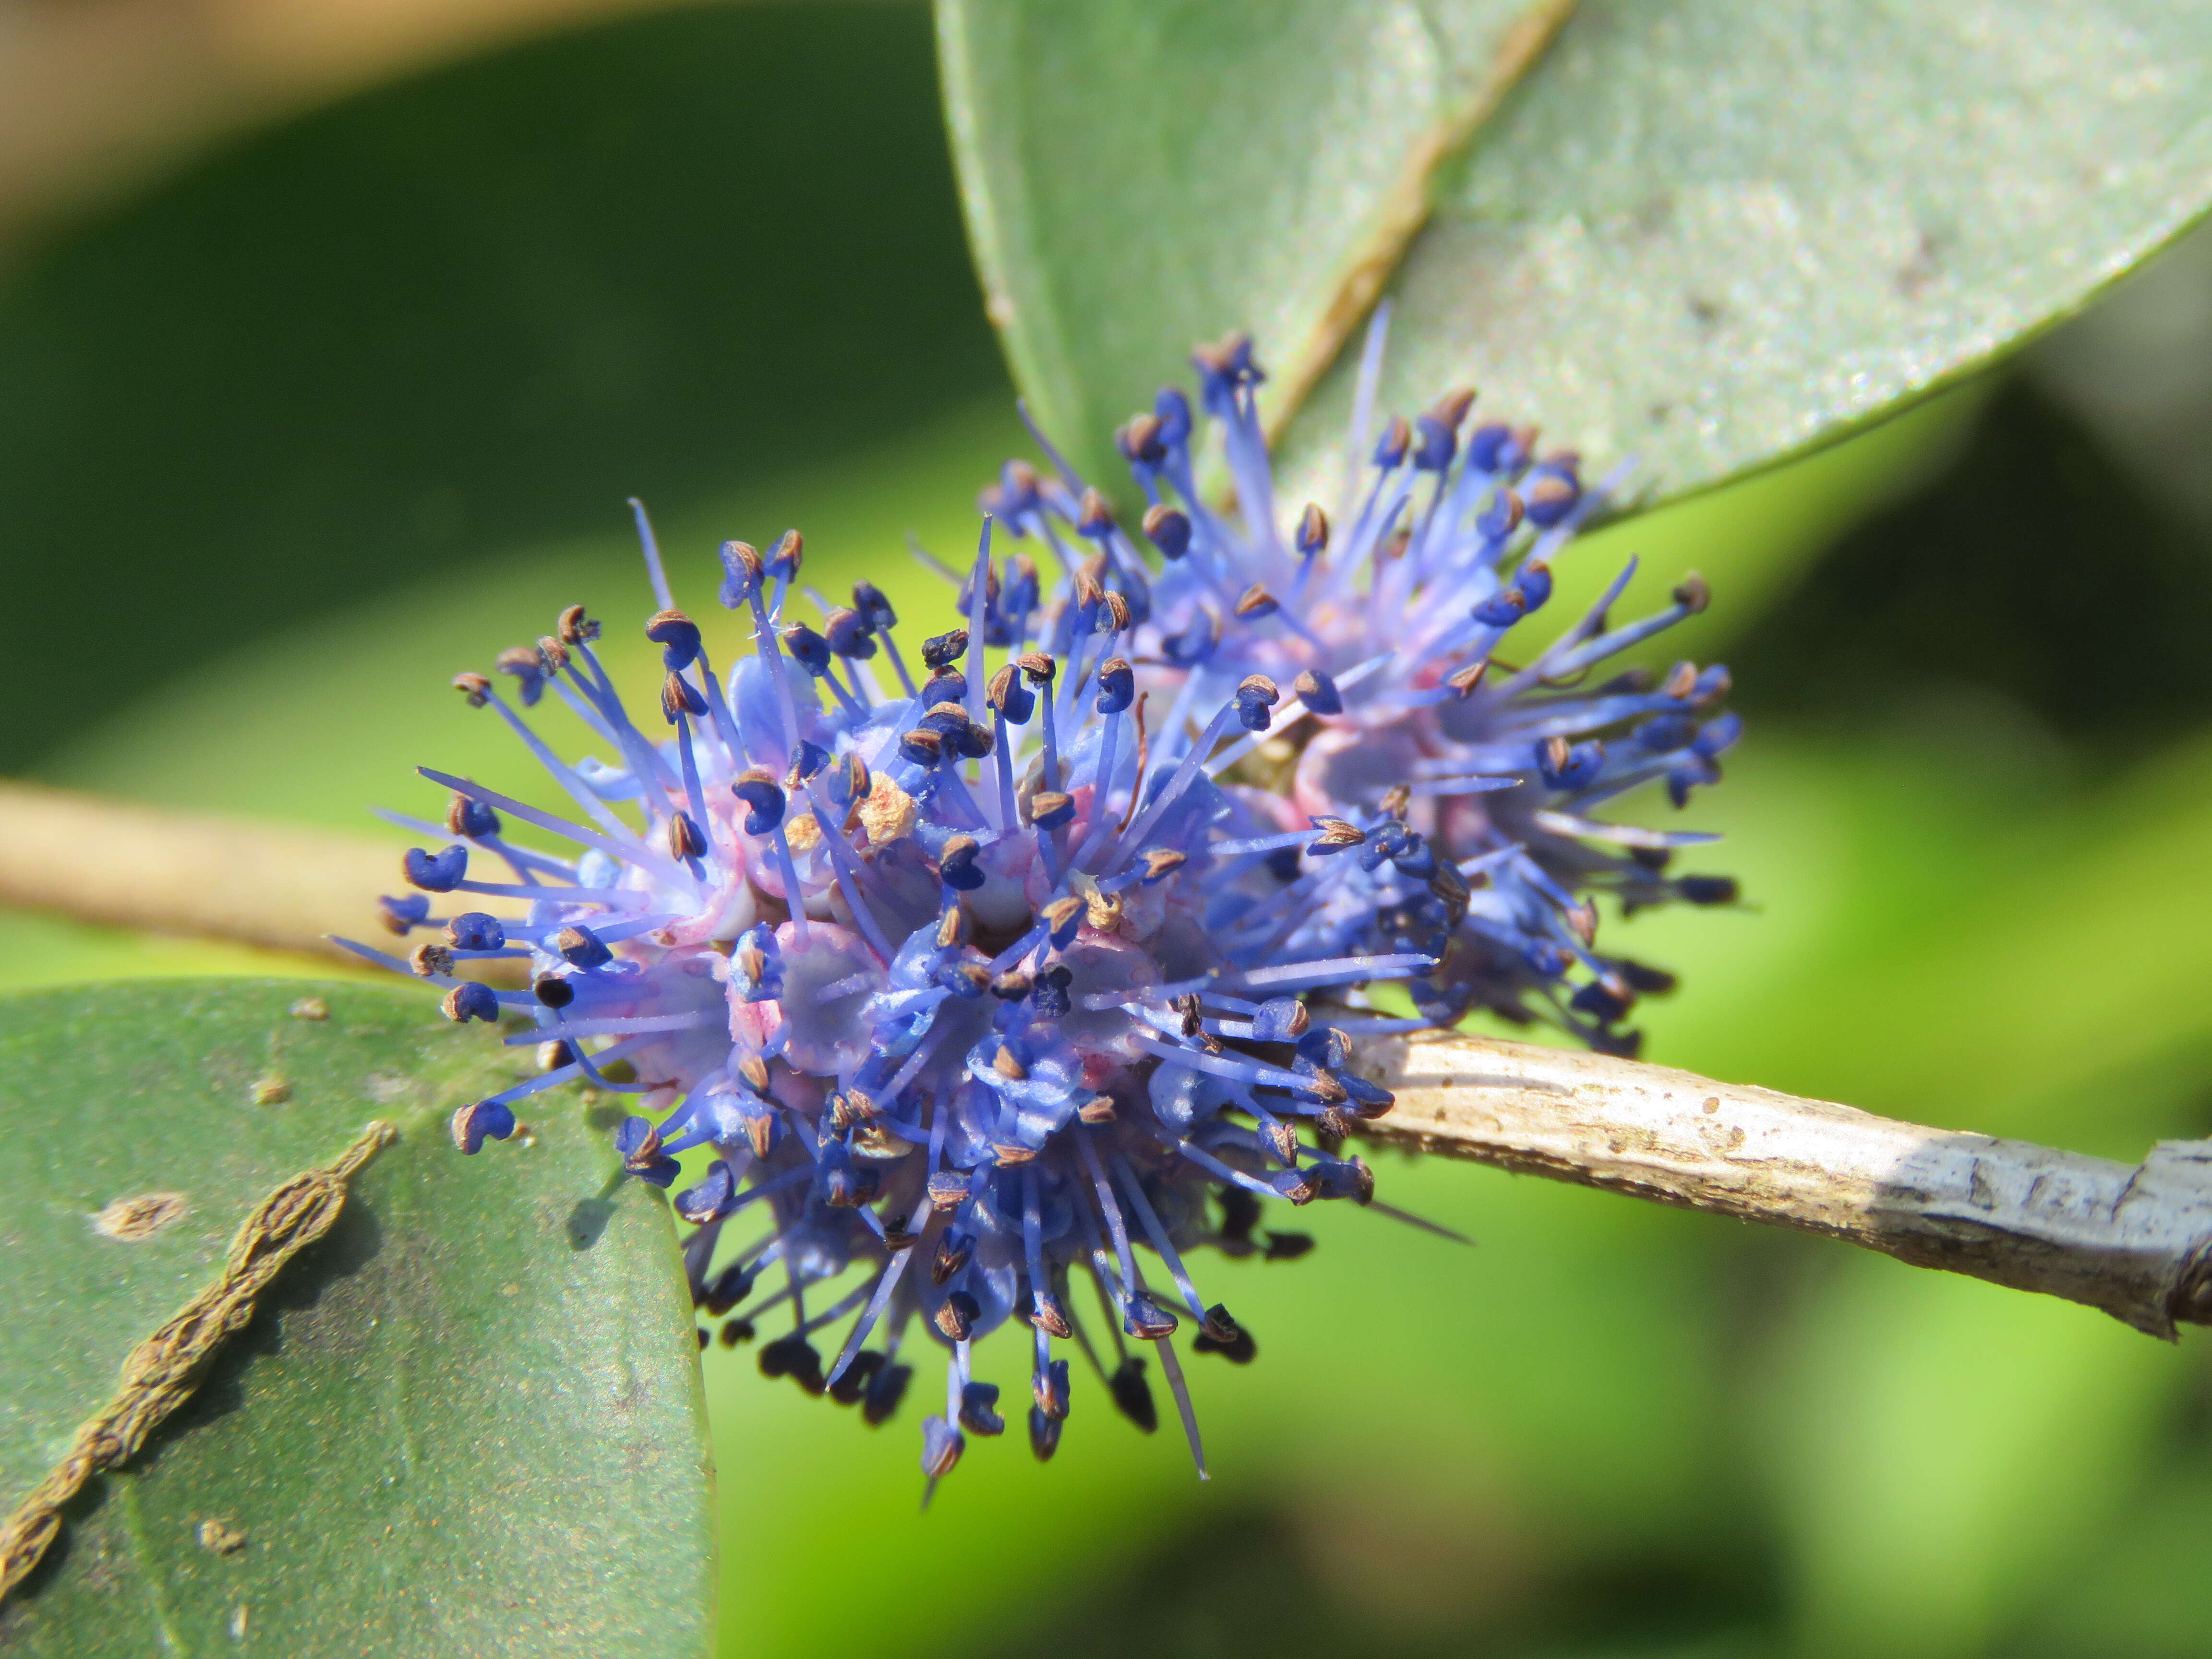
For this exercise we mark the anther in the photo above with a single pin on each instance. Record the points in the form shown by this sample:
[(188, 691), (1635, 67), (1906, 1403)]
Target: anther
[(872, 605), (848, 634), (1255, 604), (576, 627), (1144, 1318), (679, 696), (956, 1316), (1037, 667), (948, 1191), (527, 664), (432, 960), (475, 687), (470, 1000), (1336, 835), (1060, 917), (1093, 516), (1501, 518), (582, 948), (955, 864), (676, 635), (1312, 534), (403, 914), (435, 873), (472, 818), (784, 558), (1256, 695), (1117, 684), (1011, 698), (1169, 529), (943, 650), (757, 787), (808, 649), (1390, 448), (1465, 680), (978, 1409), (1139, 439), (471, 1125), (1318, 692), (1694, 594), (1451, 408)]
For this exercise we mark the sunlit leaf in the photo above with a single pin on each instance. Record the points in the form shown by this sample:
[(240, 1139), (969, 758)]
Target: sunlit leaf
[(1700, 235)]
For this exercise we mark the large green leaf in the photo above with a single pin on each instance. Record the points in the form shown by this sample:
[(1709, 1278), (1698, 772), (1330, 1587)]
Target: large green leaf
[(1703, 234), (467, 1422)]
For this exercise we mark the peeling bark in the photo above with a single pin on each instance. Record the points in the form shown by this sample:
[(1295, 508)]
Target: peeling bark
[(2133, 1240)]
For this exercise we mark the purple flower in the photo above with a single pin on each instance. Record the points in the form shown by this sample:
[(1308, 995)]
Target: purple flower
[(1031, 950)]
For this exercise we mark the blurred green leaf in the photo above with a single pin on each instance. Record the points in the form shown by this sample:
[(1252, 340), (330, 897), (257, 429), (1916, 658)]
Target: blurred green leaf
[(323, 722), (2140, 1591), (1705, 234), (466, 1422), (2029, 954), (467, 313), (1939, 1449)]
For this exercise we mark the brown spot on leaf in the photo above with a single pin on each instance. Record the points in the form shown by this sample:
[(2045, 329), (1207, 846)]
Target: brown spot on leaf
[(130, 1219), (311, 1008), (219, 1536), (272, 1091)]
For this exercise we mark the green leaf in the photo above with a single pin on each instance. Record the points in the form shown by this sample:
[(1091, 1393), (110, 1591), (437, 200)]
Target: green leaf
[(467, 1422), (1941, 1452), (1703, 235), (1143, 175)]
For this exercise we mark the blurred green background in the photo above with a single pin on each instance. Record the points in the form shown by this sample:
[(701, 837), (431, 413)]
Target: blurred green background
[(291, 434)]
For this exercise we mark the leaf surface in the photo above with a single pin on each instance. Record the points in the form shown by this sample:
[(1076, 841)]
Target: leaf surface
[(1700, 236), (466, 1422)]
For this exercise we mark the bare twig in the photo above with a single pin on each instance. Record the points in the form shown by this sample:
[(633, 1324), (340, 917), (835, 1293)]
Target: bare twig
[(273, 885), (2135, 1241), (97, 95)]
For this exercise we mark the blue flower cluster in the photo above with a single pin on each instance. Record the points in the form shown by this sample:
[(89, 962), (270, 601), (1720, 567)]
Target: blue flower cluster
[(970, 965)]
